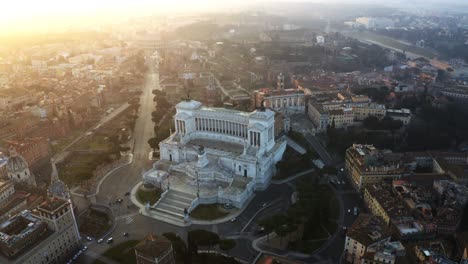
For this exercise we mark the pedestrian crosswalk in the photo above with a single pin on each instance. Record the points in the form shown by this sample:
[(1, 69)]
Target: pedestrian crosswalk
[(128, 220)]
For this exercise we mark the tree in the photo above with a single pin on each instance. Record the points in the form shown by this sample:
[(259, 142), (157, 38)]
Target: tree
[(268, 226), (441, 75), (227, 244), (124, 149), (154, 143), (180, 249), (200, 237), (281, 231)]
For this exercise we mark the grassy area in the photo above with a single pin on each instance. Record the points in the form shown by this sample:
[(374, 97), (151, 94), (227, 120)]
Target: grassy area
[(122, 253), (208, 212), (94, 223), (323, 208), (331, 226), (78, 167), (306, 246), (334, 205), (59, 145), (93, 142), (151, 195), (203, 258)]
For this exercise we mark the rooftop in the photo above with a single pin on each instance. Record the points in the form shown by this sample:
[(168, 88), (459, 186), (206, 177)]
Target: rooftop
[(20, 227), (217, 145), (367, 229), (274, 92), (52, 204)]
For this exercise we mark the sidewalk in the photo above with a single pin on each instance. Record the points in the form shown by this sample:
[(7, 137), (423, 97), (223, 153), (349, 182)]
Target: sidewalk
[(296, 146), (293, 177)]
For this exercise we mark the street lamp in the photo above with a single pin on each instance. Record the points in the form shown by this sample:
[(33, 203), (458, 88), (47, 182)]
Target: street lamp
[(198, 184)]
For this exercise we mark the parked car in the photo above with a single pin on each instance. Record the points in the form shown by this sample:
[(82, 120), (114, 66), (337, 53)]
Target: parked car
[(100, 240), (125, 234), (85, 248), (110, 240), (89, 238)]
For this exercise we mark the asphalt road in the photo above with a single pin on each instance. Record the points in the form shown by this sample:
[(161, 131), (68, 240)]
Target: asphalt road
[(123, 180)]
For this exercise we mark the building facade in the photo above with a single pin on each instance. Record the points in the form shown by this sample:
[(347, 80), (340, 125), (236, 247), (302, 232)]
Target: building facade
[(366, 232), (289, 100), (49, 236), (367, 165), (217, 155), (7, 189)]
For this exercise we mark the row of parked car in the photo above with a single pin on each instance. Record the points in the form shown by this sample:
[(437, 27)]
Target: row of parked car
[(78, 254)]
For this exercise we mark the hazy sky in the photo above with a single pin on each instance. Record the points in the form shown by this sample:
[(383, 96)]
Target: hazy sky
[(21, 14), (18, 15)]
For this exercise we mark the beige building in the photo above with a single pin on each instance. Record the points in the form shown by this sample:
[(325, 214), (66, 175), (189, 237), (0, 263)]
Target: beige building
[(342, 109), (366, 232), (362, 112), (383, 204), (47, 235), (7, 189), (367, 165), (282, 100)]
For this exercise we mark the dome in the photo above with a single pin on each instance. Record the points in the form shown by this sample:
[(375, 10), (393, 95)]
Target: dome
[(16, 162)]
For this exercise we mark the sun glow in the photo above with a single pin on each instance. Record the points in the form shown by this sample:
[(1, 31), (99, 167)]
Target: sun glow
[(31, 15)]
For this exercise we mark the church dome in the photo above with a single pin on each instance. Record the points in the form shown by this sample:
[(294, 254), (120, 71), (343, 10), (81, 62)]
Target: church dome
[(16, 162)]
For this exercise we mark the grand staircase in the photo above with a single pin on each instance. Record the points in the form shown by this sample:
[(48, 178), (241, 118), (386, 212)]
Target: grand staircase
[(171, 207)]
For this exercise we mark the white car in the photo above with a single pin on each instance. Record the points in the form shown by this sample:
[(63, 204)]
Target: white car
[(85, 248), (100, 240)]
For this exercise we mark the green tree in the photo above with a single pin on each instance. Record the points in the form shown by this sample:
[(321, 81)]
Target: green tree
[(268, 226), (227, 244), (205, 238), (180, 249), (154, 143)]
